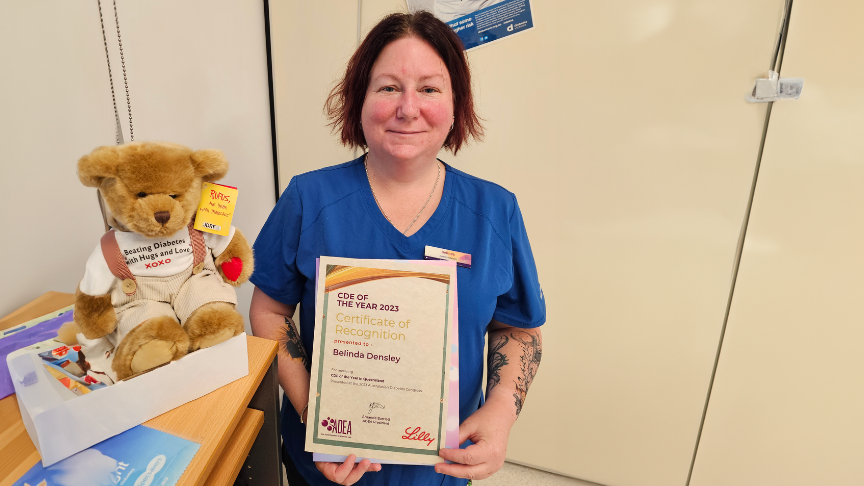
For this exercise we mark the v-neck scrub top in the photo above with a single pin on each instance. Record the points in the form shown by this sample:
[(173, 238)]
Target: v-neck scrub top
[(332, 212)]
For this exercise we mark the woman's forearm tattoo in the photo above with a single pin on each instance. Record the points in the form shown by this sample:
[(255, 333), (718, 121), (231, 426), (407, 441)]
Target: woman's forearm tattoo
[(290, 344), (497, 360), (532, 351)]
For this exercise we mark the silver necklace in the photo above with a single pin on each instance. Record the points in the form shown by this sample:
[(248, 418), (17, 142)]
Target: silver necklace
[(366, 166)]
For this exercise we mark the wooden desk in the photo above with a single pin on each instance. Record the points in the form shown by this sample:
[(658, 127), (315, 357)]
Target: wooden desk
[(236, 425)]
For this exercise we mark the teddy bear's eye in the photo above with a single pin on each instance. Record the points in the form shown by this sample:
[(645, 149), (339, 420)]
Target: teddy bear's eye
[(173, 196), (142, 194)]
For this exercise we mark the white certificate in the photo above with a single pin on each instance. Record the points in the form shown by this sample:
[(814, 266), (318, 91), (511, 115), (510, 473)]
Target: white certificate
[(380, 380)]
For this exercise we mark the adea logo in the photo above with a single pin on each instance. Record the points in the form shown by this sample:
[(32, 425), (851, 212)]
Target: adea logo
[(510, 28), (341, 427)]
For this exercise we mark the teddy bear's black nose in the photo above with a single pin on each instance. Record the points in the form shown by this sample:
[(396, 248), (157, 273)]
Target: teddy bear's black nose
[(162, 216)]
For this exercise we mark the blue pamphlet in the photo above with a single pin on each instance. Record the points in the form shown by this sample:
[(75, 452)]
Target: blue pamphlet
[(34, 331), (141, 456), (501, 19)]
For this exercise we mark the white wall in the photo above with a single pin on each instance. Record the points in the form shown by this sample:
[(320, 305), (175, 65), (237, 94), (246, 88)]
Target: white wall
[(197, 76), (306, 62)]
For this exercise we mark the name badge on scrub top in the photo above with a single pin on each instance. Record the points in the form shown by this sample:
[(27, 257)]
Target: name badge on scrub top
[(461, 259)]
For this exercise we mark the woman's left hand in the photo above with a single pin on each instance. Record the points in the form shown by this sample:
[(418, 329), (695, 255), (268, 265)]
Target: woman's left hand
[(348, 472), (488, 428)]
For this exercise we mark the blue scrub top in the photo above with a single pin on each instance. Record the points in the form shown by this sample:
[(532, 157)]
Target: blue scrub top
[(332, 212)]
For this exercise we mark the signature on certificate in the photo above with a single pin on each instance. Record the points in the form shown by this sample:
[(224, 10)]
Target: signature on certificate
[(373, 406)]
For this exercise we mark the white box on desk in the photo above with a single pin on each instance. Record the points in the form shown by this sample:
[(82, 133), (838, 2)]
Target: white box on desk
[(61, 423)]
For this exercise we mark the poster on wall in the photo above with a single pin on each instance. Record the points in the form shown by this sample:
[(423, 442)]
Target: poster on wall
[(479, 22)]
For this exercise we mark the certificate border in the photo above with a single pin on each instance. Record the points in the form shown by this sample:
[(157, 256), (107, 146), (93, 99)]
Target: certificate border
[(444, 360), (315, 436)]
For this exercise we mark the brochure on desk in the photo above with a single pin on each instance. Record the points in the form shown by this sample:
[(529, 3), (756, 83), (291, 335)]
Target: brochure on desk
[(52, 316), (380, 383), (31, 332), (141, 456)]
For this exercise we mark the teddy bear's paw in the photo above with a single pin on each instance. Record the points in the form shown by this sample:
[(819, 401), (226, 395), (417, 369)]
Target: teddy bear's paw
[(94, 314), (152, 343), (212, 324), (153, 354), (236, 262), (214, 339), (68, 333)]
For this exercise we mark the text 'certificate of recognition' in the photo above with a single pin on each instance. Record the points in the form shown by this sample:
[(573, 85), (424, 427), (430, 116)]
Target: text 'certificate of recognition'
[(380, 378)]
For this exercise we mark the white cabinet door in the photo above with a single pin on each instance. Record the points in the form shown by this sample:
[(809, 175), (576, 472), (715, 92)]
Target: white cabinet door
[(788, 398)]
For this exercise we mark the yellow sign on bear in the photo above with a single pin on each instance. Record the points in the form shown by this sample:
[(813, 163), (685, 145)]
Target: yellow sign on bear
[(216, 208)]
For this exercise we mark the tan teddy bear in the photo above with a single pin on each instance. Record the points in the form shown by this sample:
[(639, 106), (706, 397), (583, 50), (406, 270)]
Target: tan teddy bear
[(152, 291)]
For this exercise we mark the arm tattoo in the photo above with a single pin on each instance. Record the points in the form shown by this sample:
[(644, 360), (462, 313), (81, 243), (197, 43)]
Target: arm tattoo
[(532, 351), (497, 360), (290, 344)]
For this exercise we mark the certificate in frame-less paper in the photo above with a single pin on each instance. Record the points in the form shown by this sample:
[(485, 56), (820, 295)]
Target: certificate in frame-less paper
[(380, 378)]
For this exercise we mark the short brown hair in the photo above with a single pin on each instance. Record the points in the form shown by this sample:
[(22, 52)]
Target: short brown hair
[(345, 103)]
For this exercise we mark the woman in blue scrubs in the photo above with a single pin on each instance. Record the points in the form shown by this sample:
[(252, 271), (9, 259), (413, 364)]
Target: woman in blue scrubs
[(406, 94)]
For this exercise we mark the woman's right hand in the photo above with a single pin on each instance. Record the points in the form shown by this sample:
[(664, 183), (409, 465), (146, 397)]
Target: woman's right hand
[(348, 472)]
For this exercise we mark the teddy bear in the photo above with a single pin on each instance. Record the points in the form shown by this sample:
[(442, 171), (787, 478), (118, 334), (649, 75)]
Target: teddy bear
[(155, 288)]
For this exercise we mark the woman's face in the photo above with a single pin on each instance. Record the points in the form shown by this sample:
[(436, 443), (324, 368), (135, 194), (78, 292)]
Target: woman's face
[(408, 108)]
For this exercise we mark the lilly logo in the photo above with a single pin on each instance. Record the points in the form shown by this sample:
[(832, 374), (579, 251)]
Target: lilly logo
[(149, 474), (341, 427)]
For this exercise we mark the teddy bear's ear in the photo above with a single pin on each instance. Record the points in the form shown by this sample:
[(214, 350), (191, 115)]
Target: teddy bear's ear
[(98, 165), (210, 165)]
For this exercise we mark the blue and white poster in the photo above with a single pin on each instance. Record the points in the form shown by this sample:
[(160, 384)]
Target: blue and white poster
[(479, 22), (141, 456)]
